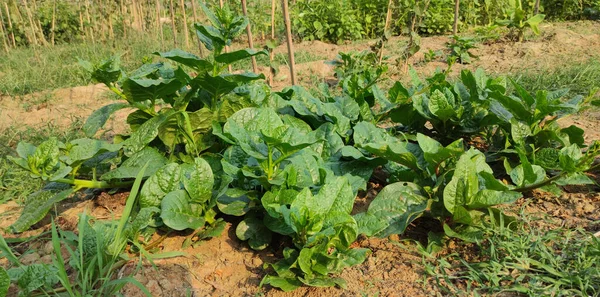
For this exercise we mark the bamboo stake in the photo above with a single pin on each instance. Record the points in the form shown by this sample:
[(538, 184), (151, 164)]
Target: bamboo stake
[(123, 15), (388, 19), (272, 53), (53, 22), (111, 30), (455, 25), (89, 20), (159, 25), (31, 24), (536, 9), (249, 33), (12, 36), (226, 47), (5, 41), (10, 26), (290, 44), (81, 28), (173, 23), (194, 21), (186, 33)]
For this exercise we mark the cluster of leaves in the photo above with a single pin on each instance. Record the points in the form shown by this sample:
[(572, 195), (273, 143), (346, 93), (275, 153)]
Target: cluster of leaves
[(518, 20), (459, 50), (291, 163)]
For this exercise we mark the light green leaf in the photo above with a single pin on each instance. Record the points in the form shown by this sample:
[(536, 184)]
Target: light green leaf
[(163, 181), (440, 107), (198, 180), (99, 117), (179, 214), (134, 164)]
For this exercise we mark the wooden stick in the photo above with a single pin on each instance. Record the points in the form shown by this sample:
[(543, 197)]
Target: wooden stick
[(249, 33), (111, 31), (455, 25), (10, 26), (388, 19), (31, 24), (186, 33), (272, 53), (290, 44), (124, 15), (5, 41), (536, 9), (159, 26), (53, 22), (87, 16), (200, 48), (173, 24)]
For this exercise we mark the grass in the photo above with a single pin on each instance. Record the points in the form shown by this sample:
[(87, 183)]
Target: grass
[(578, 78), (522, 260), (27, 70)]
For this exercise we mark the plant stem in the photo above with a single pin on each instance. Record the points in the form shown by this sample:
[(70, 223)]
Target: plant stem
[(94, 184), (550, 180)]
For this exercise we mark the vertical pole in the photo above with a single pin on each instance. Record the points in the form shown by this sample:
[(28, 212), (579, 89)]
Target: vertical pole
[(159, 25), (31, 24), (186, 33), (290, 44), (10, 26), (5, 41), (536, 10), (272, 53), (388, 19), (194, 21), (173, 23), (250, 41), (456, 8), (53, 22)]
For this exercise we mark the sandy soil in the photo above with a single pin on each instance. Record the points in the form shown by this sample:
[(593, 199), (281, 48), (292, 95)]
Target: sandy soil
[(223, 266)]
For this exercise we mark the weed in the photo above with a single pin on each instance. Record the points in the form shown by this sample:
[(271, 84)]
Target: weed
[(524, 260)]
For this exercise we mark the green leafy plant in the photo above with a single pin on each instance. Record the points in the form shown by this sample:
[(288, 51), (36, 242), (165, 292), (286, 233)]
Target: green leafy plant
[(518, 20), (459, 49), (94, 256)]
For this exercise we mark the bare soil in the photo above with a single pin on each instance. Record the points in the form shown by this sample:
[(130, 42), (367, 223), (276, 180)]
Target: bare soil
[(224, 266)]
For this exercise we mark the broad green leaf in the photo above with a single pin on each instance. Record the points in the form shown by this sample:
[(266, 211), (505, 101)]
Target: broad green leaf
[(435, 154), (519, 131), (286, 284), (99, 117), (243, 78), (186, 59), (235, 202), (440, 107), (534, 22), (463, 185), (107, 72), (37, 206), (394, 208), (148, 131), (486, 198), (216, 86), (134, 164), (576, 178), (198, 180), (142, 89), (569, 158), (179, 214), (232, 57), (163, 181), (255, 232), (84, 148), (468, 233), (521, 178), (376, 141)]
